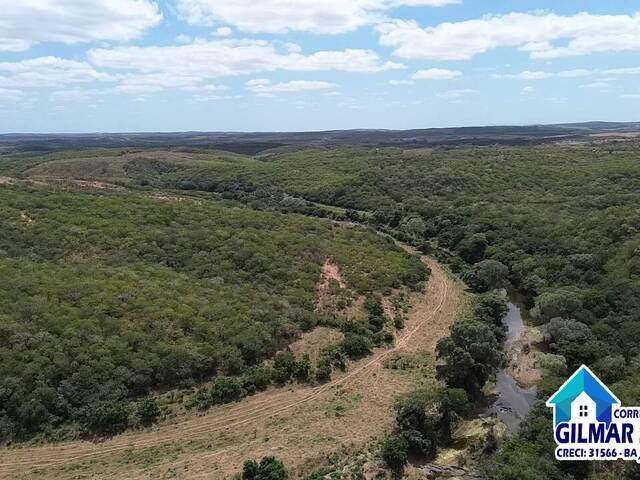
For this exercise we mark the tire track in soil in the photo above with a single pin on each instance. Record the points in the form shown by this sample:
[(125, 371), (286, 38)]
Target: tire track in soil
[(22, 460)]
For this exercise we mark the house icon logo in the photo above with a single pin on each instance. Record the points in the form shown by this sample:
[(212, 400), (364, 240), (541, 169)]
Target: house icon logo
[(583, 399), (590, 422)]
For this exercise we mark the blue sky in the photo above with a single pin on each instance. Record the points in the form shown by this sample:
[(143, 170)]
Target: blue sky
[(250, 65)]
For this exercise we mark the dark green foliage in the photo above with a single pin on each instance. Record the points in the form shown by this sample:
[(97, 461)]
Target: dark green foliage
[(472, 249), (556, 304), (222, 390), (425, 418), (470, 356), (256, 379), (394, 452), (104, 418), (323, 370), (489, 275), (491, 308), (106, 297), (576, 342), (225, 390), (269, 468), (373, 306), (356, 345), (148, 411)]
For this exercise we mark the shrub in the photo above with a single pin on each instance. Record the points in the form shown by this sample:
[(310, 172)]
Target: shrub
[(256, 379), (355, 345), (105, 418), (323, 370), (148, 411), (269, 468), (394, 452), (284, 367), (225, 390)]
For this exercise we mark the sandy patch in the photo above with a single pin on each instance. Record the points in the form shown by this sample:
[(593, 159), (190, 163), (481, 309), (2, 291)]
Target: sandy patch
[(523, 354)]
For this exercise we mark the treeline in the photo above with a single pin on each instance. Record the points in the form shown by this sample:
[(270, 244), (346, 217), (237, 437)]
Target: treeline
[(106, 297)]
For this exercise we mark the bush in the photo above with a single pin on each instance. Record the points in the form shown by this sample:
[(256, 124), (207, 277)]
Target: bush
[(269, 468), (105, 418), (323, 370), (394, 452), (284, 367), (302, 369), (226, 390), (419, 417), (355, 345), (148, 411), (256, 379)]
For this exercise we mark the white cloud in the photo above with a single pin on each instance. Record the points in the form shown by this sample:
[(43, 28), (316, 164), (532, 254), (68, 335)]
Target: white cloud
[(527, 90), (436, 74), (543, 35), (184, 66), (48, 72), (526, 75), (623, 71), (265, 88), (25, 23), (400, 82), (580, 72), (222, 32), (8, 94), (456, 94), (183, 38), (595, 85), (282, 16)]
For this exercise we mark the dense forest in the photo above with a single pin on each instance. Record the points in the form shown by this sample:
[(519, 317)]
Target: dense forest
[(108, 296), (559, 223)]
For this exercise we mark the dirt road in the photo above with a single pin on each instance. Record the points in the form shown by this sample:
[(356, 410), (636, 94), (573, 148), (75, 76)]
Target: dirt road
[(302, 425)]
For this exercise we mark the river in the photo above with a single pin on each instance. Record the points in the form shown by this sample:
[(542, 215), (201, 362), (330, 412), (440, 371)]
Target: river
[(513, 402)]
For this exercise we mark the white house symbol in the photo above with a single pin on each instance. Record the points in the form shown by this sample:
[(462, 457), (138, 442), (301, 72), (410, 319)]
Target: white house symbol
[(583, 409)]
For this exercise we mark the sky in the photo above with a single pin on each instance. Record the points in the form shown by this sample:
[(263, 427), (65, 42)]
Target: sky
[(299, 65)]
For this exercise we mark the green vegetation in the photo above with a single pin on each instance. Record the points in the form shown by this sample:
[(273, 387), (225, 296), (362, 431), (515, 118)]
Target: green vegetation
[(394, 453), (269, 468), (425, 419), (106, 297), (559, 223)]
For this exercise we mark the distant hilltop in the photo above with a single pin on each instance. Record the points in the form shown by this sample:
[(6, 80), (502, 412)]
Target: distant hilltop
[(251, 143)]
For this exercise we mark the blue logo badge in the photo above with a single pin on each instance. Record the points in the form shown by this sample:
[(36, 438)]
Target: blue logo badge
[(590, 422)]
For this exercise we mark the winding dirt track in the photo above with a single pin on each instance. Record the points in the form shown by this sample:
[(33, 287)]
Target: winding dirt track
[(230, 433)]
